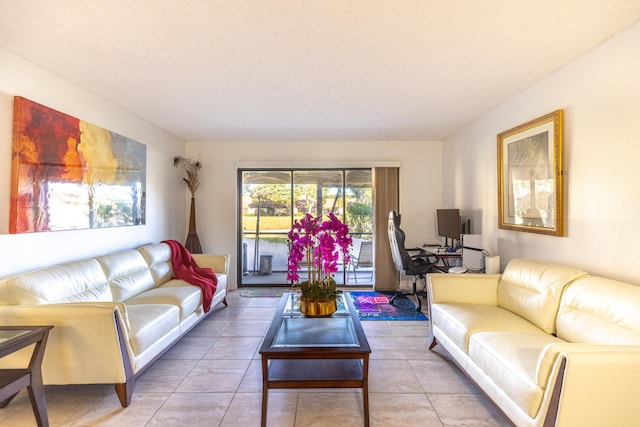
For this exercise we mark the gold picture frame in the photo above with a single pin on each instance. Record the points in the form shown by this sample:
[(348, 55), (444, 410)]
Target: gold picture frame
[(530, 172)]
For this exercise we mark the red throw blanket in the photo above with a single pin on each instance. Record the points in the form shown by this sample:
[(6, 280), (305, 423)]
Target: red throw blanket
[(185, 268)]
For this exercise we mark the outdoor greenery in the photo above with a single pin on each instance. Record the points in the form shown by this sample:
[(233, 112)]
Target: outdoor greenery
[(359, 218), (274, 202), (270, 223)]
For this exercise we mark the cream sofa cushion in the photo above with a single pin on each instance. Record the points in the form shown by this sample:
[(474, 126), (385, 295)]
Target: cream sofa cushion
[(462, 320), (127, 272), (474, 289), (511, 360), (150, 323), (185, 296), (158, 258), (600, 311), (532, 290), (78, 281)]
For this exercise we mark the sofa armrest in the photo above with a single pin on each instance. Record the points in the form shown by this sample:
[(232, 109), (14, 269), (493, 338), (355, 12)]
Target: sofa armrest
[(219, 263), (463, 288), (552, 352), (85, 346), (599, 386)]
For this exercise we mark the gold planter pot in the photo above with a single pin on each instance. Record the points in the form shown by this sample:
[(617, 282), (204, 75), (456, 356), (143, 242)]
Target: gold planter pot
[(318, 307)]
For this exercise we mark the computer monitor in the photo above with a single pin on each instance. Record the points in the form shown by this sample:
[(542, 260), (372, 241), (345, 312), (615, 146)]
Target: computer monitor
[(449, 225)]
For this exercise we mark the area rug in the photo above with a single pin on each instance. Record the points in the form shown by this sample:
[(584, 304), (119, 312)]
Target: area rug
[(262, 292), (375, 306)]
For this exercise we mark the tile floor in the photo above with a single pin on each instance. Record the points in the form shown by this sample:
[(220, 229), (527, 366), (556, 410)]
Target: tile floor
[(212, 377)]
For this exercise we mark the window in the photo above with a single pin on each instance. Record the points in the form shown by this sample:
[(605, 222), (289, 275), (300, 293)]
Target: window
[(270, 200)]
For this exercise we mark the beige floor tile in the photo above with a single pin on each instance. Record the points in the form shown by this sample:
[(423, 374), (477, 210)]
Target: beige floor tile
[(376, 328), (247, 328), (409, 328), (226, 313), (392, 376), (192, 409), (108, 412), (384, 348), (215, 376), (209, 328), (233, 348), (189, 348), (63, 408), (165, 375), (246, 410), (441, 376), (258, 313), (262, 302), (329, 409), (466, 410), (252, 380), (402, 410), (234, 297), (416, 348)]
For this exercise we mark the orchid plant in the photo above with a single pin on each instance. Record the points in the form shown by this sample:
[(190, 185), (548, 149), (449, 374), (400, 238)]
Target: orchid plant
[(319, 245)]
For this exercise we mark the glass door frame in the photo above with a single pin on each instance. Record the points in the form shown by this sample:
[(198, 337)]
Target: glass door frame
[(243, 268)]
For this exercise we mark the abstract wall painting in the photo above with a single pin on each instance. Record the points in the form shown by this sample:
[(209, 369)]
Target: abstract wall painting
[(70, 174)]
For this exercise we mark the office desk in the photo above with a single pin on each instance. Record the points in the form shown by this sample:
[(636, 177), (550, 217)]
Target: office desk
[(442, 254), (444, 259)]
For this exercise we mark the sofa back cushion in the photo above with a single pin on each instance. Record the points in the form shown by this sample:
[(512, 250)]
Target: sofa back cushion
[(78, 281), (532, 290), (128, 274), (158, 258), (600, 311)]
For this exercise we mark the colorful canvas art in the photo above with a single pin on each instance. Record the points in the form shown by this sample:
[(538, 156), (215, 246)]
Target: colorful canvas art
[(70, 174)]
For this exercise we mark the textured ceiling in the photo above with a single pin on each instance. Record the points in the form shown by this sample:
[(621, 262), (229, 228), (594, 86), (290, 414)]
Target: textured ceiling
[(308, 70)]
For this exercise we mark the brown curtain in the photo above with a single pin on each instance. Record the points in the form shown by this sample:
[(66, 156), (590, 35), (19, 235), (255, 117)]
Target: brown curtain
[(386, 197)]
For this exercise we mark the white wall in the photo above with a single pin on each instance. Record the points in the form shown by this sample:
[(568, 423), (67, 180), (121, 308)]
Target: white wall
[(166, 217), (167, 197), (600, 96), (216, 200)]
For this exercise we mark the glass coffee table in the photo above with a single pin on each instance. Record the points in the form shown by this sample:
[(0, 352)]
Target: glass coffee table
[(315, 352)]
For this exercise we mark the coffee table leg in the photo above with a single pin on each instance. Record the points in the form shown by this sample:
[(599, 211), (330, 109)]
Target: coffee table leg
[(38, 404), (365, 389), (36, 386), (265, 391)]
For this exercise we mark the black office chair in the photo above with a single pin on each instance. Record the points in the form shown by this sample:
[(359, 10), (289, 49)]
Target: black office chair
[(416, 265)]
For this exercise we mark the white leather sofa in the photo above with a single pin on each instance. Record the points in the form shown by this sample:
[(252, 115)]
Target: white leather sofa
[(550, 345), (113, 315)]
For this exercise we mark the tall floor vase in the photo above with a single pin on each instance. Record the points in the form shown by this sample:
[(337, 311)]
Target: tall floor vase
[(193, 242)]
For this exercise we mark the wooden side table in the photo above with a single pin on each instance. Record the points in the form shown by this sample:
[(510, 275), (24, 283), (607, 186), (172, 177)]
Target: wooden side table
[(12, 339)]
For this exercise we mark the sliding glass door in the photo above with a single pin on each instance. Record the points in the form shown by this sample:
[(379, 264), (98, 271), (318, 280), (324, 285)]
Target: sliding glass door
[(270, 200)]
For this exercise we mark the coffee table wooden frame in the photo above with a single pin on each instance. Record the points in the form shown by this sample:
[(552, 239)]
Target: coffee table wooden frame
[(315, 367), (14, 380)]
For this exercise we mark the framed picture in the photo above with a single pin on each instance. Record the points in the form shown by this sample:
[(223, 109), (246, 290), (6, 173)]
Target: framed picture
[(69, 174), (530, 196)]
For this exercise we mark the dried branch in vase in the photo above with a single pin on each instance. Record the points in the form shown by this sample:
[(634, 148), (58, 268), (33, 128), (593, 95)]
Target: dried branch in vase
[(192, 170)]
